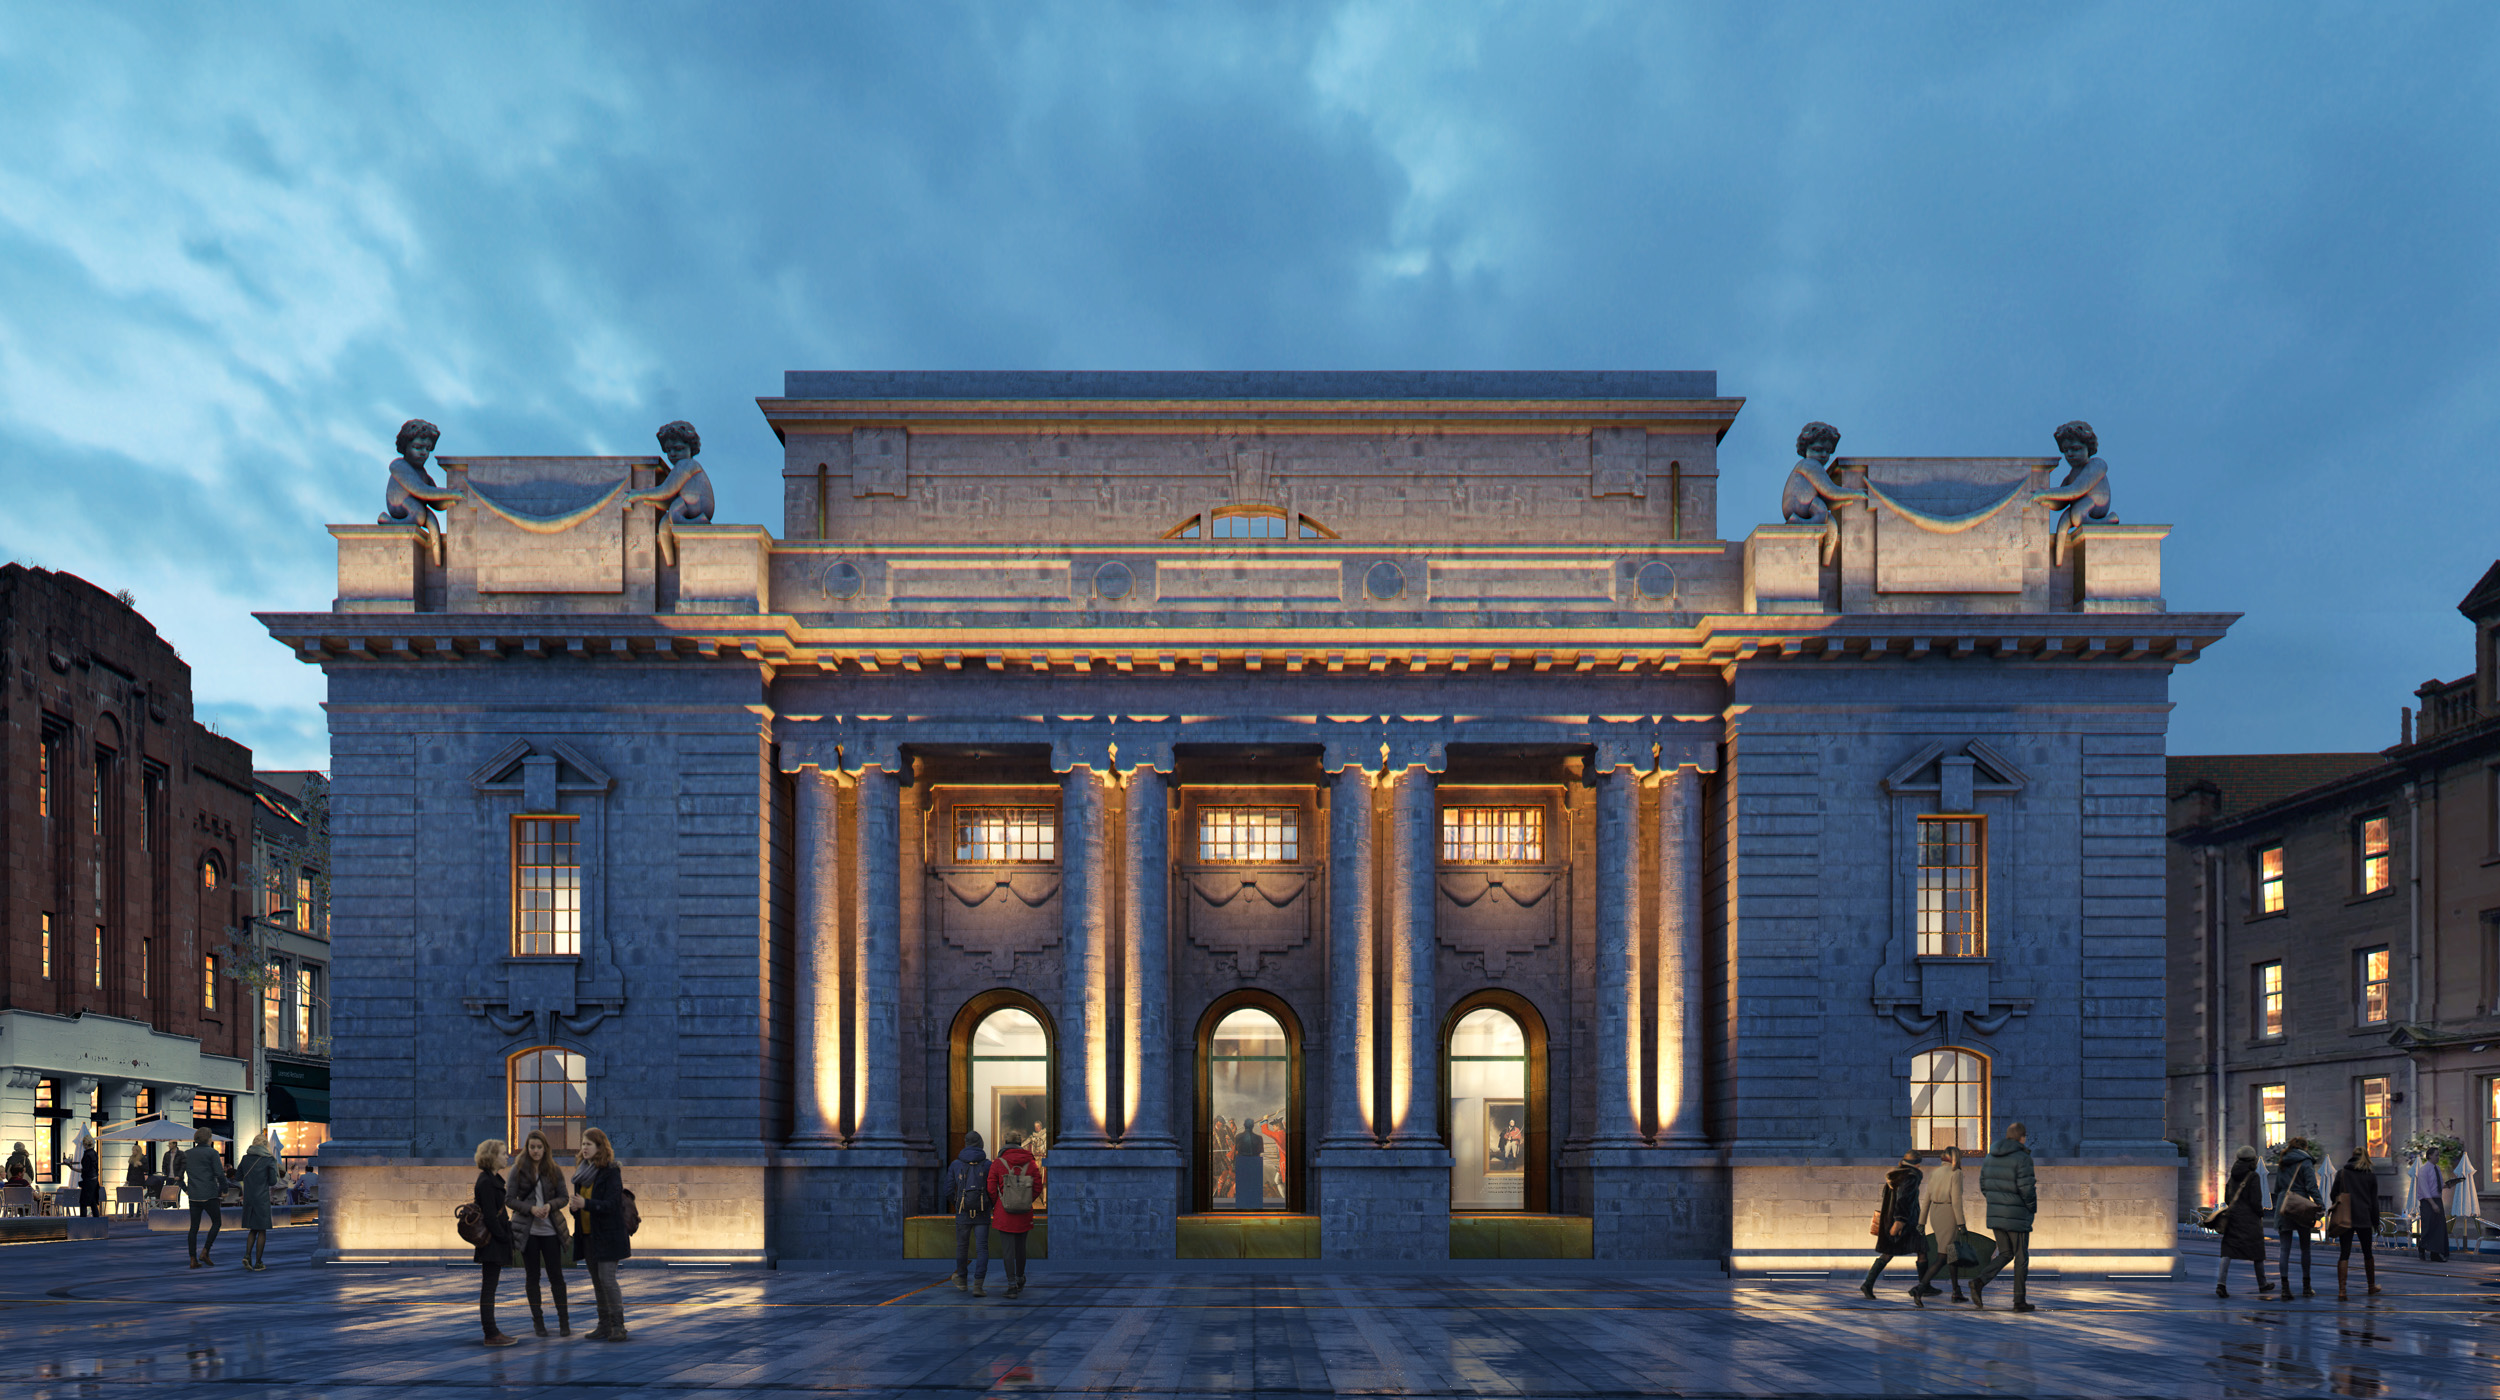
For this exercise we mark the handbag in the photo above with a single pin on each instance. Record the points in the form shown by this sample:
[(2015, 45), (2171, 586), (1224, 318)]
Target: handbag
[(2340, 1223), (1875, 1226), (2215, 1218), (2299, 1211)]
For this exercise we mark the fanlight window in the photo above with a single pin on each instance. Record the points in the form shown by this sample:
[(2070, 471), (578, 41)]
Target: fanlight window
[(1249, 523)]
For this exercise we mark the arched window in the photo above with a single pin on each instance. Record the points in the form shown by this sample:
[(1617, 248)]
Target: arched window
[(210, 874), (1249, 523), (1494, 1115), (549, 1090), (1249, 1105), (1003, 1073), (1949, 1100)]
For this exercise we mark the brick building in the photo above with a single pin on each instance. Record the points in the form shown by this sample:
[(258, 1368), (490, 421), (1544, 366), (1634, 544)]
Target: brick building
[(127, 826), (1365, 815), (2335, 938)]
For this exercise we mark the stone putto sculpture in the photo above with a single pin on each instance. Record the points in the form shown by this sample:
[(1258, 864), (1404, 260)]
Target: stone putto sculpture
[(686, 493), (2084, 494), (412, 496), (1813, 492)]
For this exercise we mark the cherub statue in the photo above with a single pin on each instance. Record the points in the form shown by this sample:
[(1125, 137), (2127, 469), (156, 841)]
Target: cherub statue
[(2084, 494), (686, 493), (1812, 491), (413, 497)]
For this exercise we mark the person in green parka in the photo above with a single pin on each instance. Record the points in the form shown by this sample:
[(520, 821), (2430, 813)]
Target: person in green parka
[(2013, 1199)]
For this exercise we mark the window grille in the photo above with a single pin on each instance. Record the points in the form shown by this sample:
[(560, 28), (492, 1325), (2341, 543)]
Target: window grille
[(546, 886), (1006, 835), (2378, 1136), (550, 1092), (2375, 986), (2377, 859), (2270, 999), (1948, 1101), (2270, 880), (1248, 835), (1952, 888), (208, 982), (1492, 835), (2273, 1119), (1249, 525)]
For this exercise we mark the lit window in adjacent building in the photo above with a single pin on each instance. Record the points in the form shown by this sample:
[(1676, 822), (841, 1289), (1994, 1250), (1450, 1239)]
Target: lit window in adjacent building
[(2270, 880), (47, 945), (1948, 1101), (1952, 888), (273, 1013), (47, 1128), (273, 886), (305, 1000), (208, 982), (1006, 835), (99, 959), (208, 874), (2378, 865), (550, 1092), (2375, 986), (2273, 1126), (1492, 835), (147, 968), (546, 886), (44, 772), (2270, 999), (304, 900), (2377, 1121), (1248, 835), (2491, 1130)]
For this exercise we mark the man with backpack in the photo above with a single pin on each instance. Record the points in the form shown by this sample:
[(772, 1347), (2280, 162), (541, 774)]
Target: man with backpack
[(966, 1192), (1015, 1185)]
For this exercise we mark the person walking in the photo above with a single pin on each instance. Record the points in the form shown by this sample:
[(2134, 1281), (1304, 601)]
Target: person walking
[(204, 1182), (2355, 1207), (2298, 1202), (2242, 1224), (606, 1239), (2013, 1199), (90, 1175), (539, 1197), (1016, 1184), (966, 1192), (259, 1175), (1940, 1220), (1896, 1221), (495, 1223)]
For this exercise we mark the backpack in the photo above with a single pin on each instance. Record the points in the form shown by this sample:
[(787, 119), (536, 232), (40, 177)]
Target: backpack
[(633, 1213), (972, 1196), (1015, 1195), (470, 1224)]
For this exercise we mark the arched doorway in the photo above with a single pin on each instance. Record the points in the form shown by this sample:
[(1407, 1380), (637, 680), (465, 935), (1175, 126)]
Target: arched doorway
[(1249, 1105), (1494, 1114), (1003, 1061)]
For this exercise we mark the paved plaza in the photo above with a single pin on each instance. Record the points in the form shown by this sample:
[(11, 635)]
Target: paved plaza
[(125, 1316)]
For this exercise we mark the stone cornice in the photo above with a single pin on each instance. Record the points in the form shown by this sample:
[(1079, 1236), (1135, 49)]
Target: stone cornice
[(1199, 416)]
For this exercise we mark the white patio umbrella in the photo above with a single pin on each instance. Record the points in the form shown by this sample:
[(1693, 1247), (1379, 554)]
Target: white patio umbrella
[(2465, 1194), (157, 1131)]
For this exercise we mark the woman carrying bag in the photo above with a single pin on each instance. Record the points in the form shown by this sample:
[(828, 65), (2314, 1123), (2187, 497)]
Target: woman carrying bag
[(2300, 1201), (2355, 1217), (538, 1195), (2242, 1222), (1895, 1226)]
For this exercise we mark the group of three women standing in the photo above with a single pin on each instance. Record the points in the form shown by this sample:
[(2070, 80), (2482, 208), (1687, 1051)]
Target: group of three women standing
[(522, 1206)]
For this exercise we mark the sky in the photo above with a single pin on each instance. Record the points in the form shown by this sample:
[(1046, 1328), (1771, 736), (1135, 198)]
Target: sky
[(2254, 245)]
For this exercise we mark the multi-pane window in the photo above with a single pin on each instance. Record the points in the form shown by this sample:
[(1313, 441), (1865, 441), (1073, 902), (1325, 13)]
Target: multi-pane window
[(1492, 835), (273, 888), (1006, 835), (208, 982), (2378, 1134), (306, 998), (1948, 1101), (273, 1014), (45, 769), (1249, 835), (2273, 1121), (2269, 871), (2378, 864), (1250, 525), (208, 875), (47, 945), (550, 1091), (47, 1128), (1952, 887), (2269, 999), (99, 959), (2375, 985), (304, 900), (546, 886), (147, 968), (2491, 1130)]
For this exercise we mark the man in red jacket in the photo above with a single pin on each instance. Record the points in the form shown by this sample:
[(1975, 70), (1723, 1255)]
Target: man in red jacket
[(1016, 1185)]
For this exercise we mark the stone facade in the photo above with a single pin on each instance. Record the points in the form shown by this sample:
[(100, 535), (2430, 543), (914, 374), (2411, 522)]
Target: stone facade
[(1365, 608)]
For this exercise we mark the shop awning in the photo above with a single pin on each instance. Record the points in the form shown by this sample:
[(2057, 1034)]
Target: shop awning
[(298, 1093)]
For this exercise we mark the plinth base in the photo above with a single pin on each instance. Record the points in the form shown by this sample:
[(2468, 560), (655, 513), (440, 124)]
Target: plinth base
[(845, 1203), (1113, 1202), (1648, 1202), (1384, 1203)]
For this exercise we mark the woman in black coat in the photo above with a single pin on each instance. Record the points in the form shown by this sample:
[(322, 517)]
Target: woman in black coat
[(91, 1179), (2243, 1222), (495, 1250), (2355, 1192), (1898, 1217), (605, 1239)]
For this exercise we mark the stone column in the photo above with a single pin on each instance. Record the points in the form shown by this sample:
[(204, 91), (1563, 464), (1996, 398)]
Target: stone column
[(877, 1090), (1414, 1113), (1085, 960), (818, 1089), (1146, 932), (1351, 964), (1680, 961), (1618, 959)]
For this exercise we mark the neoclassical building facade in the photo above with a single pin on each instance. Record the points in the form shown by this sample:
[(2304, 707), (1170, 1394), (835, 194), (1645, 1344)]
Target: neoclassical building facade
[(1355, 806)]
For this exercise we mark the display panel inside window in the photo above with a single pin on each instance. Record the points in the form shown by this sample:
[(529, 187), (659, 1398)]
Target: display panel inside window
[(2270, 999), (2374, 985), (550, 1093), (1249, 835), (1488, 1112), (2377, 861), (1952, 887), (546, 886), (1006, 835), (1010, 1077), (1249, 1087), (1492, 835), (1948, 1101), (2270, 880), (2273, 1121), (2377, 1119)]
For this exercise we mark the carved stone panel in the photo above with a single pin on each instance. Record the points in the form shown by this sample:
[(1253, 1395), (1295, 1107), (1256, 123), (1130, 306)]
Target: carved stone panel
[(1500, 913), (999, 916), (1246, 913)]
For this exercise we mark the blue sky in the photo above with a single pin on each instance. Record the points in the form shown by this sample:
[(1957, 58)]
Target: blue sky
[(2255, 245)]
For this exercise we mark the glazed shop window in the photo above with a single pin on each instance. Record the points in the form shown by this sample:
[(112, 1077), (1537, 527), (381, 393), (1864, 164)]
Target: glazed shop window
[(2269, 999), (2376, 985), (1948, 1101), (1952, 887), (2377, 863), (550, 1092), (1492, 835), (2268, 868), (2273, 1122), (2378, 1134), (1006, 835), (546, 886), (1249, 835)]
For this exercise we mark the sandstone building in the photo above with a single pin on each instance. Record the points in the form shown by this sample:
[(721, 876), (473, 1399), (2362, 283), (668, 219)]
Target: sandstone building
[(1364, 815)]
